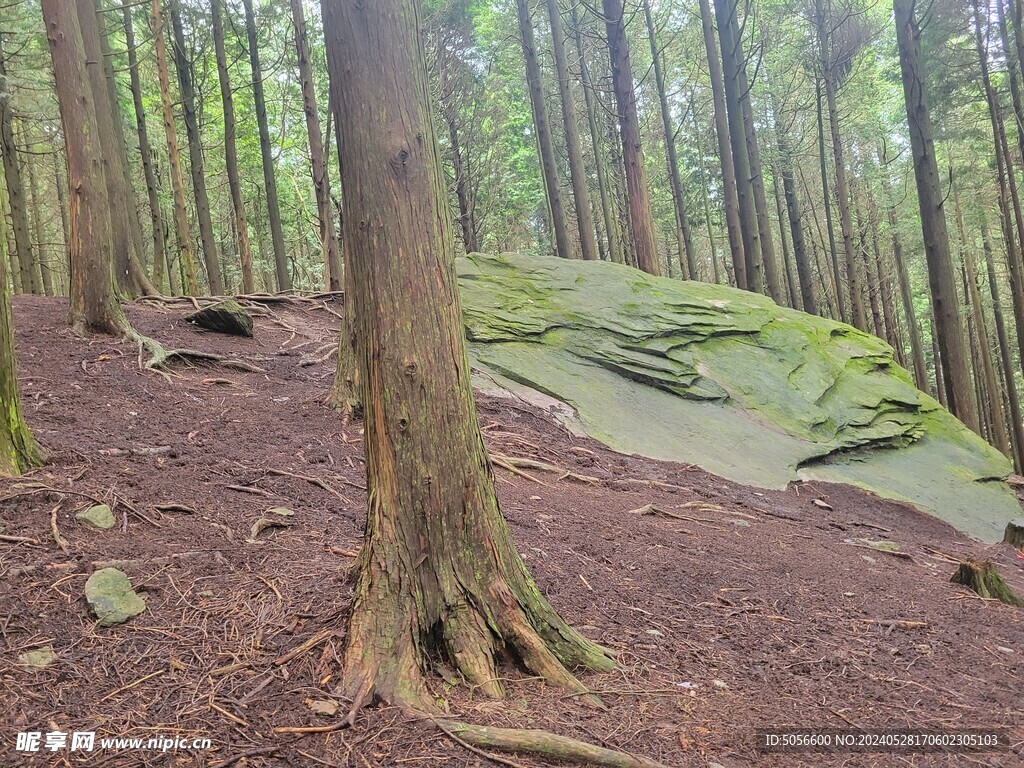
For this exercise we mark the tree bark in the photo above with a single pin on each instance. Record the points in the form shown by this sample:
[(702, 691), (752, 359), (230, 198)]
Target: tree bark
[(826, 192), (284, 278), (18, 449), (950, 339), (182, 229), (37, 220), (796, 227), (60, 184), (318, 162), (577, 171), (684, 239), (732, 65), (197, 165), (640, 217), (437, 569), (146, 151), (733, 226), (28, 280), (93, 301)]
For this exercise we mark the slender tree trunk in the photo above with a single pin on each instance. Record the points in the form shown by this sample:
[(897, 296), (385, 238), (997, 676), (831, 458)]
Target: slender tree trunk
[(284, 278), (787, 262), (796, 228), (318, 162), (884, 280), (241, 224), (18, 449), (148, 169), (197, 165), (37, 219), (93, 302), (437, 568), (871, 279), (732, 63), (542, 124), (600, 163), (577, 171), (684, 239), (837, 277), (858, 317), (28, 280), (640, 217), (702, 183), (182, 229), (733, 227), (60, 183), (933, 220), (1005, 355)]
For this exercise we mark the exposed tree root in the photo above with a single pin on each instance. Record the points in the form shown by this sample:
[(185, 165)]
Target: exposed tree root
[(160, 358), (543, 743), (984, 579)]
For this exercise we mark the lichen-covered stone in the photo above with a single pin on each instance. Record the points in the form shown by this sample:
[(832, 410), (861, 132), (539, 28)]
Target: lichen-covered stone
[(726, 380), (99, 516), (224, 317), (40, 658), (111, 597)]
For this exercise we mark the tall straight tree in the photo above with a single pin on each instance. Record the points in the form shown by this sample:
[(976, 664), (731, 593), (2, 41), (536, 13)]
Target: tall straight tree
[(733, 226), (438, 569), (545, 142), (834, 60), (93, 301), (930, 194), (284, 276), (577, 172), (18, 450), (684, 240), (197, 165), (231, 147), (726, 14), (28, 279), (182, 228), (317, 159), (160, 272), (641, 218)]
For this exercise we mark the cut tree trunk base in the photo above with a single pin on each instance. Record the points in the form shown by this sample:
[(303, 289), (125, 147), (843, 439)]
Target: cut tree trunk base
[(1014, 535), (984, 579)]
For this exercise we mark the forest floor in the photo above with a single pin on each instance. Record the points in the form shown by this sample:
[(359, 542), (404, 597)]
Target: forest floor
[(729, 609)]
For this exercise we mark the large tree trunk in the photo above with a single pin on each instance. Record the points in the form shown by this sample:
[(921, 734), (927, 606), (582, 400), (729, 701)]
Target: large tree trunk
[(611, 226), (148, 169), (284, 277), (577, 172), (197, 165), (18, 450), (957, 378), (549, 167), (318, 162), (28, 280), (241, 227), (640, 217), (182, 229), (438, 570), (93, 302), (684, 240), (732, 63), (733, 227)]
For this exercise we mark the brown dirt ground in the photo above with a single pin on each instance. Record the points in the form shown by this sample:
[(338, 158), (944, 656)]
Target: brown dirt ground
[(746, 610)]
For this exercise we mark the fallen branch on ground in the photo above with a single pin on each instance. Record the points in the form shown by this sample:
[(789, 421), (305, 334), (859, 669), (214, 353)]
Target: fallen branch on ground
[(521, 463)]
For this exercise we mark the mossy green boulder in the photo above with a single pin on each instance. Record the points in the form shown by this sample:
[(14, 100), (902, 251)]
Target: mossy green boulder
[(726, 380), (111, 597), (98, 516)]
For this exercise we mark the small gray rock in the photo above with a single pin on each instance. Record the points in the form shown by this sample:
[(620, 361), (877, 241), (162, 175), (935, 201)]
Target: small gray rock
[(99, 516), (38, 658), (224, 317), (110, 594)]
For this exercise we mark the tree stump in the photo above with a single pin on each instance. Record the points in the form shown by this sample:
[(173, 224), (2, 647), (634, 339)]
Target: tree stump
[(984, 579), (1014, 535)]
